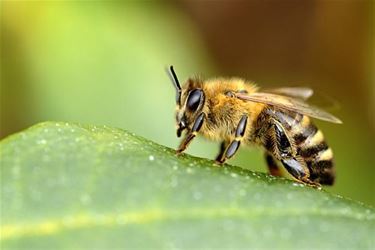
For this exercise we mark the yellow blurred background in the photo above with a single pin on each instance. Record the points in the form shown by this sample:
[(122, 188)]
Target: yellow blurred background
[(102, 62)]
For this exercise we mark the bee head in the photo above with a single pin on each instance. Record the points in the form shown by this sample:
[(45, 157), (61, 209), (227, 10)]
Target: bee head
[(189, 101)]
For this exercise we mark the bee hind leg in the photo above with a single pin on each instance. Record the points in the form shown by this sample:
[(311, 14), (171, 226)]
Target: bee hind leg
[(299, 171), (273, 167), (282, 145)]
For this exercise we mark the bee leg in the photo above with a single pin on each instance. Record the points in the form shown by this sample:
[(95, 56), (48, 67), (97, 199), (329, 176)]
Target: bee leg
[(191, 134), (235, 144), (284, 151), (299, 171), (273, 168), (223, 146)]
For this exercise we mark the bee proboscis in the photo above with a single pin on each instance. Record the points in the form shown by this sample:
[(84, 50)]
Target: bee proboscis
[(234, 112)]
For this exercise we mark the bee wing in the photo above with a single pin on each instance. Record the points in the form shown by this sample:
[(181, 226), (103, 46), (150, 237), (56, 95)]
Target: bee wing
[(303, 93), (289, 103)]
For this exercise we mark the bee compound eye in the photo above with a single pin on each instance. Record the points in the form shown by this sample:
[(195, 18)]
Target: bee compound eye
[(194, 99)]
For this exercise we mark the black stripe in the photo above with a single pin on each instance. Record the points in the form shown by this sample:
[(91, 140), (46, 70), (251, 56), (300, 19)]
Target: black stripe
[(319, 165), (313, 150), (322, 172), (307, 132), (324, 164)]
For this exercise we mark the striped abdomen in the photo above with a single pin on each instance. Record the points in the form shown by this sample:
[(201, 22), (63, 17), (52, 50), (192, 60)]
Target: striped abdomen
[(312, 147)]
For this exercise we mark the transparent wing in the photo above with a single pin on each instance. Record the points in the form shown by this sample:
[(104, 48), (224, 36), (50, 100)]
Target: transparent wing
[(289, 103), (303, 93)]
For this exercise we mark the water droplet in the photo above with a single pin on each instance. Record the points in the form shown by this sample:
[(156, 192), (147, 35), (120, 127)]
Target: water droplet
[(151, 158), (234, 175), (85, 199), (197, 195), (189, 171), (42, 141), (296, 184)]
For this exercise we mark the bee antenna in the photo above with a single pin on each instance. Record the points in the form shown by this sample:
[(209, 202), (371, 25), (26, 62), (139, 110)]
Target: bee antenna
[(174, 78), (176, 83)]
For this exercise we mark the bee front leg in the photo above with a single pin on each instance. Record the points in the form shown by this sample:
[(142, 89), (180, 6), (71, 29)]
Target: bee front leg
[(234, 144), (192, 133)]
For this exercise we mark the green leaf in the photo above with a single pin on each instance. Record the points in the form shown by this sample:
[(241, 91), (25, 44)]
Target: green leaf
[(76, 186)]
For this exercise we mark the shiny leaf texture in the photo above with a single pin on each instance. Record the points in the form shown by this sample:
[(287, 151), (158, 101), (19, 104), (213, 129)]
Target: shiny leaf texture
[(72, 186)]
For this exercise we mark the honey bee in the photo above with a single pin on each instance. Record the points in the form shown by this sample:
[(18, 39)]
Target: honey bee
[(234, 112)]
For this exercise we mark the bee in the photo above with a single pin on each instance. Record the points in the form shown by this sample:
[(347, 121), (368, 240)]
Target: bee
[(234, 112)]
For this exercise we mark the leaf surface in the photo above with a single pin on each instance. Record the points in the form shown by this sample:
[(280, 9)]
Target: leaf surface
[(66, 185)]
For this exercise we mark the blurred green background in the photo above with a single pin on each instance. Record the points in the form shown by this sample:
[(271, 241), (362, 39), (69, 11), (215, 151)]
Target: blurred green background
[(102, 62)]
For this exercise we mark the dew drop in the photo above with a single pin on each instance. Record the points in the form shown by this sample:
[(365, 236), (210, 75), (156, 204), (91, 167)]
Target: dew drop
[(189, 170), (85, 199), (42, 141), (298, 184), (234, 175), (197, 195), (151, 158)]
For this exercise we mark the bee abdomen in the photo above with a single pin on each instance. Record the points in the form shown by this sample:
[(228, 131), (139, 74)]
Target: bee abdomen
[(305, 130), (312, 147), (309, 151), (322, 171)]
